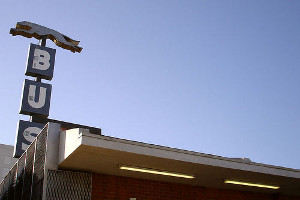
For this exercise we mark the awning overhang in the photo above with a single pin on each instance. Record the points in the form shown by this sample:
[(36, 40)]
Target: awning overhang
[(81, 151)]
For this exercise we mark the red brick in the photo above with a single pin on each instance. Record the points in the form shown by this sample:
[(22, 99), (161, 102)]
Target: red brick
[(108, 187)]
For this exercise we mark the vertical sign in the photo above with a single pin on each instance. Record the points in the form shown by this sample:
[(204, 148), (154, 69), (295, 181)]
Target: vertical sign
[(40, 64), (36, 95)]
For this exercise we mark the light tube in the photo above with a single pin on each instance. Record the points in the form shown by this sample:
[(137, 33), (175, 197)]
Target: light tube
[(252, 184), (155, 171)]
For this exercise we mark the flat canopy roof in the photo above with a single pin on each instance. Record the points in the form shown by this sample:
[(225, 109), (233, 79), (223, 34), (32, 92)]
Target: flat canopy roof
[(82, 151)]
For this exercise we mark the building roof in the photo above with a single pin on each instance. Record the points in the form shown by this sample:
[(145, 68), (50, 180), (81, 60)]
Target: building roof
[(6, 146), (83, 151)]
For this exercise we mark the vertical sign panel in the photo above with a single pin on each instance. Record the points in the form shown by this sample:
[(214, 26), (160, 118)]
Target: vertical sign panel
[(35, 98), (40, 62), (26, 133)]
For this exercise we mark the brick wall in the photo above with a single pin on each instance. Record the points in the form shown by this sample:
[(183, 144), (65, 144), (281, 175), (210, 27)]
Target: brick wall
[(107, 187)]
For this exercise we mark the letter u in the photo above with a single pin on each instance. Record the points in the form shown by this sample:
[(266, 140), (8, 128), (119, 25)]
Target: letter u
[(31, 97)]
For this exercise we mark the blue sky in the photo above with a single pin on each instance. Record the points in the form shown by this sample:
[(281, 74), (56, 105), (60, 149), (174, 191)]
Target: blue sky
[(217, 77)]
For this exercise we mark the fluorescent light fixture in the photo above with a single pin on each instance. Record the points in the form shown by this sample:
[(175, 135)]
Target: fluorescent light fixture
[(155, 171), (252, 184)]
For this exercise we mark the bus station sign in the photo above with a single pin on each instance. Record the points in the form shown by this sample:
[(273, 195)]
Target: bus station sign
[(36, 95)]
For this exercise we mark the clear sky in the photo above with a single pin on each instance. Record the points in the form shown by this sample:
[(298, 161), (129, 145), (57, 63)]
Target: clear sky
[(218, 77)]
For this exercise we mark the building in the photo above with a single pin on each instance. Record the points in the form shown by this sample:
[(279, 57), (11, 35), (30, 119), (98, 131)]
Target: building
[(79, 163), (6, 159)]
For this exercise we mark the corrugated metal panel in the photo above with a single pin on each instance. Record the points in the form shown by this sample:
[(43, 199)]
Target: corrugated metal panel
[(39, 166), (20, 177), (1, 189), (28, 172), (12, 183), (5, 184)]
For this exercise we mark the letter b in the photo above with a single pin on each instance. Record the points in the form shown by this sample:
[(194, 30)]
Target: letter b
[(41, 59)]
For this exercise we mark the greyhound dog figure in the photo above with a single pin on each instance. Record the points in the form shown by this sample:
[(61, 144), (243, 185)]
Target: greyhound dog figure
[(29, 30)]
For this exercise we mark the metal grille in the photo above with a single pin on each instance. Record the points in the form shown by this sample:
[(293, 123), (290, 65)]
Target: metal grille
[(64, 185), (20, 177), (5, 185), (1, 189), (28, 172), (25, 180), (12, 183), (39, 166)]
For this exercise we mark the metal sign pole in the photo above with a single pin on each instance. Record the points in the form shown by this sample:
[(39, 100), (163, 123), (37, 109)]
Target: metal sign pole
[(38, 78), (43, 41)]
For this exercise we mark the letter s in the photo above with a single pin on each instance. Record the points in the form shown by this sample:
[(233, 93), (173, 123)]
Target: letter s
[(29, 134)]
